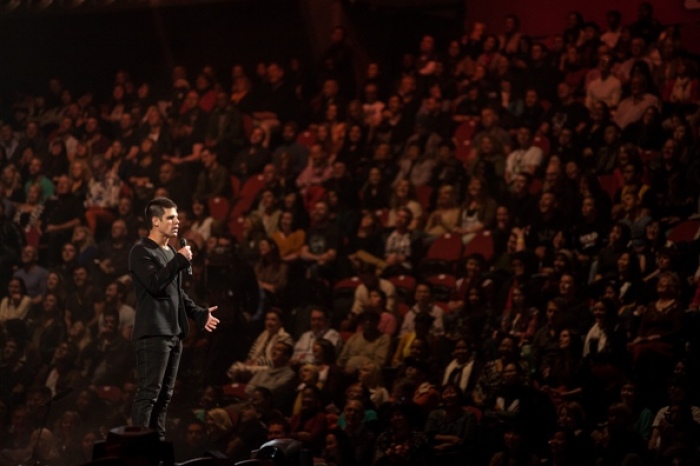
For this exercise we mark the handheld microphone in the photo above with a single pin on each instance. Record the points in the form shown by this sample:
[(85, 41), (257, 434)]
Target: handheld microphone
[(183, 243)]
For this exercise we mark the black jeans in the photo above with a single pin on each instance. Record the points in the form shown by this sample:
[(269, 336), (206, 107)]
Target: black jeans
[(157, 360)]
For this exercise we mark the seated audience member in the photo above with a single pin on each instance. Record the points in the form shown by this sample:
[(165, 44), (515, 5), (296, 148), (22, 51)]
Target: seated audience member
[(404, 196), (48, 329), (445, 217), (62, 213), (289, 237), (632, 108), (370, 376), (261, 353), (399, 248), (320, 329), (214, 180), (102, 195), (113, 253), (17, 303), (115, 297), (361, 437), (194, 442), (278, 429), (402, 441), (424, 305), (491, 377), (517, 448), (271, 272), (463, 371), (452, 429), (322, 243), (310, 425), (219, 431), (279, 377), (606, 87), (425, 396), (106, 361), (419, 343), (32, 274), (526, 158), (16, 371), (368, 345), (368, 281)]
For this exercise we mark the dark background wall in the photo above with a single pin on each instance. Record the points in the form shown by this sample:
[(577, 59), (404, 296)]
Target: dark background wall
[(89, 47), (547, 17)]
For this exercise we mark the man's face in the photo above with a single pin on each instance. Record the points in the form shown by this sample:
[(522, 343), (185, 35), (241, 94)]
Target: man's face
[(274, 73), (111, 324), (318, 321), (279, 354), (354, 414), (35, 167), (169, 224), (422, 294), (9, 351), (63, 185), (488, 118), (126, 122), (566, 284), (91, 125), (111, 293), (166, 173), (320, 212), (6, 132), (118, 230), (68, 252), (79, 277), (519, 184), (195, 435), (28, 255), (275, 431), (124, 206)]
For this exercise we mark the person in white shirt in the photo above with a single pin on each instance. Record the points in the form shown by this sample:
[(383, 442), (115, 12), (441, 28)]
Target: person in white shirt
[(633, 107), (368, 281), (320, 328), (424, 304), (606, 87), (612, 35), (526, 159)]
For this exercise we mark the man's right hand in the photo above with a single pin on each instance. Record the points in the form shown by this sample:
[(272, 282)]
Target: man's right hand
[(186, 251)]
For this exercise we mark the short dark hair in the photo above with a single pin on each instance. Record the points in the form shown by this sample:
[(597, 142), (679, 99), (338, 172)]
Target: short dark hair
[(156, 208)]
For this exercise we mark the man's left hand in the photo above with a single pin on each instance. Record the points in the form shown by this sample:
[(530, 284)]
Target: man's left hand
[(212, 321)]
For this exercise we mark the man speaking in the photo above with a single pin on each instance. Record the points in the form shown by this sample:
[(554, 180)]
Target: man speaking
[(161, 313)]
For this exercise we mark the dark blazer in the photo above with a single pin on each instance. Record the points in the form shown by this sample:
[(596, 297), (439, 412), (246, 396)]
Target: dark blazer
[(162, 306)]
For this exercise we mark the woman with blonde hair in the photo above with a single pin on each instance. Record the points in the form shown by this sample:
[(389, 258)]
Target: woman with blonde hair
[(445, 217), (370, 376), (478, 211), (85, 244), (404, 195), (80, 175), (308, 375), (11, 182)]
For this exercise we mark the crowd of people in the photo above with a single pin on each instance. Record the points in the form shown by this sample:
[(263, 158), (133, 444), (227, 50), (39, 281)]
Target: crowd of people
[(486, 257)]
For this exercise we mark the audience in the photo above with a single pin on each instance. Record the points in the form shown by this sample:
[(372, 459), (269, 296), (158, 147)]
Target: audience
[(566, 317)]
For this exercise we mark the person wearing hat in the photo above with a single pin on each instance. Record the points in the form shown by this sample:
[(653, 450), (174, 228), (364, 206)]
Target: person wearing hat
[(368, 345)]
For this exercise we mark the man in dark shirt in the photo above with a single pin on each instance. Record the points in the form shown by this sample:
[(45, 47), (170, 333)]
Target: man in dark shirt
[(62, 213), (107, 360), (322, 243), (113, 254)]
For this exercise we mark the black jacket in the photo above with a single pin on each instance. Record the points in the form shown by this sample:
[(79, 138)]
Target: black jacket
[(162, 306)]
